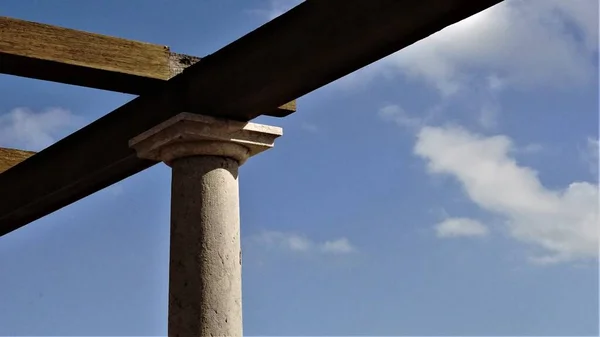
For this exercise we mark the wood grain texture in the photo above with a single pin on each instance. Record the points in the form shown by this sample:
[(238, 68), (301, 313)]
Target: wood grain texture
[(315, 43), (51, 53), (74, 47), (12, 157)]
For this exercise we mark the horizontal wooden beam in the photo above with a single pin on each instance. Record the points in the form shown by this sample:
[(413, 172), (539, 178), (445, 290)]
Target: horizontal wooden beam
[(306, 48), (11, 157), (57, 54)]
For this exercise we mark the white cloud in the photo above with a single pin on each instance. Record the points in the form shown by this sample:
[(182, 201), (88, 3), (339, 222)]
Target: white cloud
[(562, 224), (296, 243), (24, 129), (519, 43), (457, 227)]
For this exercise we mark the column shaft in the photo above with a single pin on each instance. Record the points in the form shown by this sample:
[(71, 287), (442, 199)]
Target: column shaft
[(205, 295)]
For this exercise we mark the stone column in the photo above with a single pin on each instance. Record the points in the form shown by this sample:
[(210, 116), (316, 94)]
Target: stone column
[(205, 293)]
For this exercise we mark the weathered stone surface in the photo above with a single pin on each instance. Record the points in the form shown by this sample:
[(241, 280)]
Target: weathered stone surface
[(205, 289)]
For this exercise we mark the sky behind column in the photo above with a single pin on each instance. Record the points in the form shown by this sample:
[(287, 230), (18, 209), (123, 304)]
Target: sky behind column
[(448, 189)]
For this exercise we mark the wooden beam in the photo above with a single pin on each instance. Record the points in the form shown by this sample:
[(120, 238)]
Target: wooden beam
[(45, 52), (57, 54), (11, 157), (306, 48)]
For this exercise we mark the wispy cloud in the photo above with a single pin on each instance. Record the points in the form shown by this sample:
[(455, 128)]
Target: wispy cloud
[(562, 224), (28, 130), (300, 244), (516, 45), (309, 127), (590, 155), (460, 227), (275, 8), (530, 148), (337, 246), (483, 49), (488, 116), (116, 189), (396, 114)]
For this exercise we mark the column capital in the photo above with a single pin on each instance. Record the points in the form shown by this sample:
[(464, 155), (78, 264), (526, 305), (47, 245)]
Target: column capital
[(189, 134)]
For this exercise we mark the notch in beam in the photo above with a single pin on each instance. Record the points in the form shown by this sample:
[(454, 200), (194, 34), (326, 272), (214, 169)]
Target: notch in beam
[(45, 52), (12, 157)]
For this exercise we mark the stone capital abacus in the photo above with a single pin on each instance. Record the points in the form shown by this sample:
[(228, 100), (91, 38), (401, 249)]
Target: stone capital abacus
[(189, 134)]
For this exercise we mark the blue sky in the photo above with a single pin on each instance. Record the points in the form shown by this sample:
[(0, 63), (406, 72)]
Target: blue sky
[(449, 189)]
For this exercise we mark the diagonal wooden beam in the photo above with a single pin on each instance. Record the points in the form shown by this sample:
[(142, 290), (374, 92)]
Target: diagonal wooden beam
[(57, 54), (306, 48), (12, 157)]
